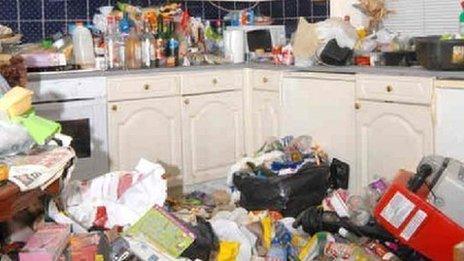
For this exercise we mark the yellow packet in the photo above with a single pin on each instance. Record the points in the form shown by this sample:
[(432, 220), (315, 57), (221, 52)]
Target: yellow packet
[(266, 223), (228, 251)]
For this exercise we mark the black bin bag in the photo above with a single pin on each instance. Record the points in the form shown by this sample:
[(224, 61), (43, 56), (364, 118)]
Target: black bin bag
[(289, 194)]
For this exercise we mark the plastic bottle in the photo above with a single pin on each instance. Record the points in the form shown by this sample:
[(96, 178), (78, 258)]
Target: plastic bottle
[(277, 252), (350, 236), (83, 47), (359, 212), (133, 51)]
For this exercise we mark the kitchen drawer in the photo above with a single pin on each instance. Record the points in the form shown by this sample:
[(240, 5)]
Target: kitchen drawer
[(136, 87), (212, 81), (394, 88), (266, 80), (65, 89)]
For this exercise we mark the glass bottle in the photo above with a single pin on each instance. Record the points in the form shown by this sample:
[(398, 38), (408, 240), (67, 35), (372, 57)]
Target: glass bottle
[(148, 48), (111, 44), (121, 45), (133, 50)]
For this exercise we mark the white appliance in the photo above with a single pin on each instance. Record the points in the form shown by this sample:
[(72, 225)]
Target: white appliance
[(446, 182), (241, 40), (79, 105)]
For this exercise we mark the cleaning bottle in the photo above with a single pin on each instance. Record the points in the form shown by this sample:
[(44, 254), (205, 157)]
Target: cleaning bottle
[(83, 47)]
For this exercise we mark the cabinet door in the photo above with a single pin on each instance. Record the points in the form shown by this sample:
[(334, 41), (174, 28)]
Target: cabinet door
[(266, 117), (323, 109), (449, 130), (149, 129), (212, 135), (391, 137)]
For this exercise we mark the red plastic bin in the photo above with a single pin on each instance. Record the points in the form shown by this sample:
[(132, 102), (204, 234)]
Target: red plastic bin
[(415, 222)]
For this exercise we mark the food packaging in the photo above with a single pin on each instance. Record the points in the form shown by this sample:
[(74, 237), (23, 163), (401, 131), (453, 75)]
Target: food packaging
[(46, 244), (15, 102)]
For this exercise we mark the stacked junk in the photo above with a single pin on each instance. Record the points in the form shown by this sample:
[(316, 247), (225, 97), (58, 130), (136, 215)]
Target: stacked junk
[(289, 201)]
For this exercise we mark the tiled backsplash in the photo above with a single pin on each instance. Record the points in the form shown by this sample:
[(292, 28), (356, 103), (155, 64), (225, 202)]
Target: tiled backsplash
[(36, 19)]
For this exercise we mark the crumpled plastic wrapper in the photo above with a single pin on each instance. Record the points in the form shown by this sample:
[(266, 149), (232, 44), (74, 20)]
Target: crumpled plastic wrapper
[(117, 198), (14, 139)]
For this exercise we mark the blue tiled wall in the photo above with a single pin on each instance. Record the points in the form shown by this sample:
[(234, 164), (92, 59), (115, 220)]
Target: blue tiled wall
[(36, 19)]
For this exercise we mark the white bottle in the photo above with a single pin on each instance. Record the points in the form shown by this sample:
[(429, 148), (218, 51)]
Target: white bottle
[(83, 47)]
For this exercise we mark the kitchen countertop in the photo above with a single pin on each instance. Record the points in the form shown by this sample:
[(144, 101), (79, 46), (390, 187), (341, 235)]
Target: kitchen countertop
[(393, 71), (96, 73)]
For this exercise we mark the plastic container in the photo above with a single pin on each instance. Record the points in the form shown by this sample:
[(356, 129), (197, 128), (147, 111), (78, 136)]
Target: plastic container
[(393, 58), (433, 53), (83, 47), (414, 222)]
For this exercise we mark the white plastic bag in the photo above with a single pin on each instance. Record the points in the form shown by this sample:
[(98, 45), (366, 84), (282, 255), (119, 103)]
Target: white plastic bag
[(336, 28), (14, 139), (125, 195)]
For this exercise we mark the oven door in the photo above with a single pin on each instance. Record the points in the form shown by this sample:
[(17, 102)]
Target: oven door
[(85, 122)]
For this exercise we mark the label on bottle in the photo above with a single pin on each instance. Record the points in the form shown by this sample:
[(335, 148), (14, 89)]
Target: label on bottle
[(413, 224), (397, 210), (110, 53)]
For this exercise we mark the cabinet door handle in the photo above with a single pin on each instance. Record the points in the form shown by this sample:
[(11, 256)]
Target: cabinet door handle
[(389, 88), (114, 107), (265, 80), (146, 86), (215, 81), (357, 105), (186, 101)]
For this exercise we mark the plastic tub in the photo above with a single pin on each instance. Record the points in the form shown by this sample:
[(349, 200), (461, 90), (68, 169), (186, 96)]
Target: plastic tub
[(436, 54)]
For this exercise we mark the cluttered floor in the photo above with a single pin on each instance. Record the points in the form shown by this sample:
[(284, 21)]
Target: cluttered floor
[(288, 202)]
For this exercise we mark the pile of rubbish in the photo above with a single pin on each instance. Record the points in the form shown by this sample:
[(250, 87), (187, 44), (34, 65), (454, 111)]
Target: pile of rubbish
[(32, 148), (288, 202), (286, 175)]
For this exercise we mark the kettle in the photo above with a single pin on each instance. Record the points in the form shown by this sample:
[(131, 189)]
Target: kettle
[(234, 45)]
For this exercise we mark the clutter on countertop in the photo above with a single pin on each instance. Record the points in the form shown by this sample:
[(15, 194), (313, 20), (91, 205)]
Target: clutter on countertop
[(126, 36)]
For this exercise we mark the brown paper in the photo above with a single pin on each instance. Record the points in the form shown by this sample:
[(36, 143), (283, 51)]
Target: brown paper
[(306, 40)]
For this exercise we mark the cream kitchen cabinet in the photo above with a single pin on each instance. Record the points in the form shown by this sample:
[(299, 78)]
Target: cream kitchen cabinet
[(394, 125), (265, 119), (212, 135), (391, 136), (449, 129), (150, 129), (322, 106)]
